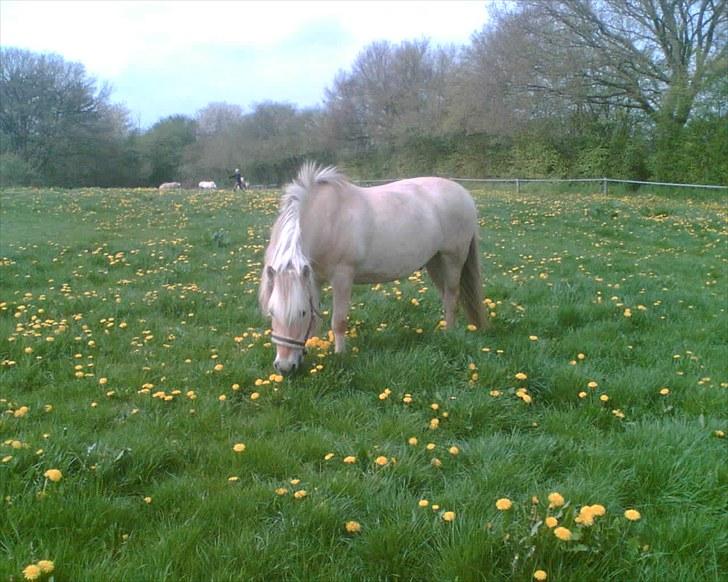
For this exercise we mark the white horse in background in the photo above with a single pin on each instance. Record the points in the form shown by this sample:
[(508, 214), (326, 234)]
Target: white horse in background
[(331, 230), (207, 185), (170, 185)]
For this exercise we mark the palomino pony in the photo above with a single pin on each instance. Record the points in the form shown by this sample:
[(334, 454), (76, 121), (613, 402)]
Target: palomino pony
[(331, 230)]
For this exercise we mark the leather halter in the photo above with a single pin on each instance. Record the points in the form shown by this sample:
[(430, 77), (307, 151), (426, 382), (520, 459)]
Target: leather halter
[(289, 342)]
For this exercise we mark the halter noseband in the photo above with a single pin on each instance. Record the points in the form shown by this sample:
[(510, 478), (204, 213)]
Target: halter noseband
[(289, 342)]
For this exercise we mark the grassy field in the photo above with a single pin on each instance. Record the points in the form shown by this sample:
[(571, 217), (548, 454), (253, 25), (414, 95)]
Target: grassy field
[(142, 436)]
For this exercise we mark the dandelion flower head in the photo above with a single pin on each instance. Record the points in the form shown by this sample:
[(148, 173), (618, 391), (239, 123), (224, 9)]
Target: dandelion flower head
[(503, 504)]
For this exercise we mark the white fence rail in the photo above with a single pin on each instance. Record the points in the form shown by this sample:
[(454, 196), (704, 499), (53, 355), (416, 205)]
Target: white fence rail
[(603, 181)]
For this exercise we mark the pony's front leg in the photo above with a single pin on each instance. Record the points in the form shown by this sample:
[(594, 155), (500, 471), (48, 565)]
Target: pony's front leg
[(341, 284)]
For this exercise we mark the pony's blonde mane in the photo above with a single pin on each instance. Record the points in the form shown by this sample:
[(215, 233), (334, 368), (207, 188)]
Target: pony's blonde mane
[(295, 289), (288, 252)]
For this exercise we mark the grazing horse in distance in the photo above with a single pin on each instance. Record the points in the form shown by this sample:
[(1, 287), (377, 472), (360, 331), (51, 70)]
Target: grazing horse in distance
[(207, 185), (170, 185), (328, 229)]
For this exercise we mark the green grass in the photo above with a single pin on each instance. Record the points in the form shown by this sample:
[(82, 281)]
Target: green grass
[(151, 292)]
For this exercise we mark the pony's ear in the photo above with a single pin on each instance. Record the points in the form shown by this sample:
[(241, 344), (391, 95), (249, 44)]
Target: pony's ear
[(306, 272), (271, 273)]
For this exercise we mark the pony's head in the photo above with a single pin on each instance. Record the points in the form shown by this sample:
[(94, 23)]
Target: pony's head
[(290, 298)]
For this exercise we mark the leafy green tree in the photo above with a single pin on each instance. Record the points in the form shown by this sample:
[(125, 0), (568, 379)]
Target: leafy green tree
[(55, 119), (163, 146)]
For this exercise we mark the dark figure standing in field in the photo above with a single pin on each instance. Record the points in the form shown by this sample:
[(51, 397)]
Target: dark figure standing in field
[(239, 180)]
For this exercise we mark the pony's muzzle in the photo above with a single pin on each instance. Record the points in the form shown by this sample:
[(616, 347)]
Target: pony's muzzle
[(286, 366)]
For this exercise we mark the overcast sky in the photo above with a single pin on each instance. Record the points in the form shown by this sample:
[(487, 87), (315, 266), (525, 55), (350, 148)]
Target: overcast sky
[(165, 58)]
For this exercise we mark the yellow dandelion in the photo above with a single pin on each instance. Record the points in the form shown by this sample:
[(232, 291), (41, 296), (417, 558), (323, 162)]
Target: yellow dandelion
[(632, 515), (255, 396), (604, 398), (22, 411), (555, 500), (218, 367), (32, 572), (239, 447), (300, 494), (521, 376), (53, 475), (233, 479), (719, 434), (586, 516), (435, 462), (598, 510), (448, 516), (280, 491), (582, 394), (551, 522), (423, 503), (381, 460), (533, 338), (454, 451), (328, 456), (430, 446), (147, 500), (503, 504), (350, 460), (434, 423), (664, 391), (592, 385), (46, 566), (412, 441), (222, 398), (472, 327), (540, 575), (352, 527), (563, 533)]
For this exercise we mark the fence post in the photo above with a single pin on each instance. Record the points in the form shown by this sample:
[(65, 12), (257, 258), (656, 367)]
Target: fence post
[(604, 186)]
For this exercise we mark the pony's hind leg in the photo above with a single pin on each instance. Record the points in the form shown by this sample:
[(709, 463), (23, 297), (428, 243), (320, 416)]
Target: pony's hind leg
[(444, 269), (434, 270)]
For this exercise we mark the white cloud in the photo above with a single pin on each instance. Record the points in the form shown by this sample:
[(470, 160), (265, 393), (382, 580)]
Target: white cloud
[(120, 40)]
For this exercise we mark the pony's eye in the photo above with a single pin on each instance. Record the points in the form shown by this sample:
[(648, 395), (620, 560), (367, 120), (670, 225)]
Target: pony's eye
[(303, 313)]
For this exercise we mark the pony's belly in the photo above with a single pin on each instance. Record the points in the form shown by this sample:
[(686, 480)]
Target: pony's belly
[(389, 260), (383, 274)]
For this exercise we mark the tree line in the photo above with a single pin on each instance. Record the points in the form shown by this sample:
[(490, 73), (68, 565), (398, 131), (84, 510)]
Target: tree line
[(620, 88)]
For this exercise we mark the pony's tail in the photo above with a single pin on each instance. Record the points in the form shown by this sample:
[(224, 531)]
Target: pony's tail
[(471, 291)]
